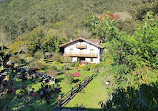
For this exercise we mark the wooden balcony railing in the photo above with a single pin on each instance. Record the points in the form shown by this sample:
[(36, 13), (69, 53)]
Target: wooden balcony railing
[(81, 54), (81, 46)]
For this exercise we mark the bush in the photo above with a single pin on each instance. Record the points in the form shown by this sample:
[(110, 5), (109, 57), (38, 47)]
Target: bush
[(52, 67), (57, 58), (68, 78), (67, 59), (96, 66), (77, 64), (72, 64), (143, 98), (52, 72), (29, 59), (86, 68), (36, 65), (38, 55), (18, 59), (66, 67)]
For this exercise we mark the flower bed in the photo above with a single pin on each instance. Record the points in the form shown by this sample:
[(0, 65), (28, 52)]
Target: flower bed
[(77, 74)]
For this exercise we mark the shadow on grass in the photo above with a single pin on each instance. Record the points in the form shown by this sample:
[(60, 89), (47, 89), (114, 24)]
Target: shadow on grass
[(30, 82), (59, 80), (60, 73), (36, 105), (75, 81), (82, 108)]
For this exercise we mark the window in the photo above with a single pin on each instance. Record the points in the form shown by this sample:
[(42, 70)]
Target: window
[(91, 59)]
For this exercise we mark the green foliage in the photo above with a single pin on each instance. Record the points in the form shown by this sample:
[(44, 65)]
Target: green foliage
[(68, 78), (19, 59), (72, 64), (66, 67), (131, 50), (147, 36), (36, 64), (86, 68), (131, 99), (19, 46), (141, 7), (77, 64), (66, 59), (51, 72), (52, 41), (38, 55), (35, 43), (130, 59), (29, 59), (57, 58), (20, 16)]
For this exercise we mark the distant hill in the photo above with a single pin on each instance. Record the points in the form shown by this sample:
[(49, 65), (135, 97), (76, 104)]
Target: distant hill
[(20, 16)]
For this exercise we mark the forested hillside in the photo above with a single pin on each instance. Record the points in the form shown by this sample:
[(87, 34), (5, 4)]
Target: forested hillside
[(20, 16)]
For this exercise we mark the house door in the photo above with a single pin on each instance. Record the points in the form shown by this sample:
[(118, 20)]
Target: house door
[(81, 58)]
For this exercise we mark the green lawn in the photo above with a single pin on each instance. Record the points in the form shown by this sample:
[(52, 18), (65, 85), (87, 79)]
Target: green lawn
[(66, 87), (90, 96)]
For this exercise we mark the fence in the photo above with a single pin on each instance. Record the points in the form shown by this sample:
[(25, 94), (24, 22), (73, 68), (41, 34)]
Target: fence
[(63, 100)]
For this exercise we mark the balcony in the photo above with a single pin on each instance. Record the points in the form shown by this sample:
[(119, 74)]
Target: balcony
[(81, 54), (81, 46)]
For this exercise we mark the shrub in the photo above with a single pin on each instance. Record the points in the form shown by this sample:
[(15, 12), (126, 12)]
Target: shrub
[(57, 58), (72, 64), (51, 72), (52, 67), (77, 64), (96, 67), (66, 59), (18, 59), (143, 98), (68, 78), (38, 55), (29, 59), (86, 68), (66, 67), (36, 65)]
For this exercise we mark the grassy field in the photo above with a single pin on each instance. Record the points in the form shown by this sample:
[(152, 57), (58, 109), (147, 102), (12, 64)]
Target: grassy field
[(66, 87), (90, 96)]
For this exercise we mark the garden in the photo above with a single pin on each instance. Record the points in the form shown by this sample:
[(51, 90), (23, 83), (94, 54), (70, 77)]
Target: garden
[(30, 88)]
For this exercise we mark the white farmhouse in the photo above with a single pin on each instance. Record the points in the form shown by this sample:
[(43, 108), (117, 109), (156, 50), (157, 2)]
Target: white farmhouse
[(81, 49)]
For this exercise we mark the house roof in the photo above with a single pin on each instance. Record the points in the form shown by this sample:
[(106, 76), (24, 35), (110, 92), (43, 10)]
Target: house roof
[(95, 42)]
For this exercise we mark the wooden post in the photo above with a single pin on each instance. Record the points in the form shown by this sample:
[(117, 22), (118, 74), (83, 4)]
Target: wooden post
[(84, 82), (59, 100), (79, 86), (71, 90)]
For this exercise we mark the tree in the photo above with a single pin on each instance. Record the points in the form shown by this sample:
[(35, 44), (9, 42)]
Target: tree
[(3, 42), (131, 99)]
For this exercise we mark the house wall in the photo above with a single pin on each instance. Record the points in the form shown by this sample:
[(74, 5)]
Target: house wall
[(71, 48), (74, 59)]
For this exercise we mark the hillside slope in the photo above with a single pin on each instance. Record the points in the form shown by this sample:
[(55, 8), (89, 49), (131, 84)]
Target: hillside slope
[(20, 16)]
